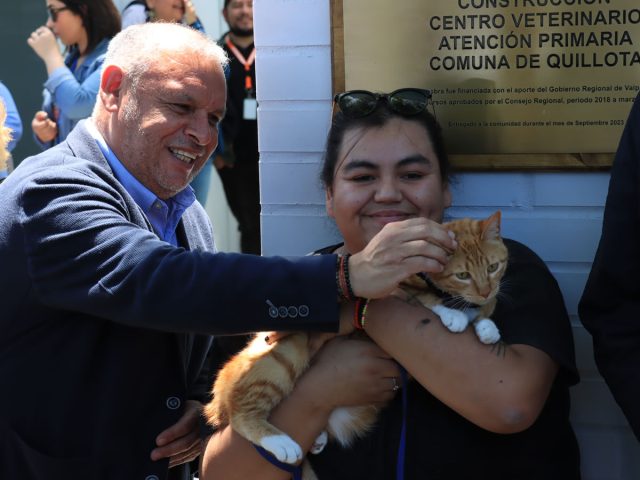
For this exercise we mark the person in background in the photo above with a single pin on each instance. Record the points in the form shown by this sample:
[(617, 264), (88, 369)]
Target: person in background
[(5, 138), (12, 130), (173, 11), (13, 121), (471, 411), (85, 28), (111, 286), (610, 304), (237, 163)]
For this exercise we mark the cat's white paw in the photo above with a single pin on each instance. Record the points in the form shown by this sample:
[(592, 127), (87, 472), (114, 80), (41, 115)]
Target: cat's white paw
[(454, 320), (319, 443), (487, 331), (282, 447)]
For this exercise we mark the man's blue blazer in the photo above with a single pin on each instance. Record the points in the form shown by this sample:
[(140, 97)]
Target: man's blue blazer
[(104, 328)]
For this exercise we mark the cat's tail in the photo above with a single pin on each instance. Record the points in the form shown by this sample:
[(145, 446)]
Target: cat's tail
[(348, 423)]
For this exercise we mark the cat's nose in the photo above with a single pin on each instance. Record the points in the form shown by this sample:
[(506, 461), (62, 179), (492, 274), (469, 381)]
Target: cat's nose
[(485, 292)]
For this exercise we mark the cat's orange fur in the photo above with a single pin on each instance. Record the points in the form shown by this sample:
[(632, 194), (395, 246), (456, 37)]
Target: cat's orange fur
[(257, 378)]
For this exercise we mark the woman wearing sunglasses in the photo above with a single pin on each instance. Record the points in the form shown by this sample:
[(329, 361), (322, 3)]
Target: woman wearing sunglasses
[(85, 28), (495, 412)]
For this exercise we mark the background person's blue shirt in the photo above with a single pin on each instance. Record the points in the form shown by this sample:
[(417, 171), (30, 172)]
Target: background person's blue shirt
[(164, 215), (72, 92)]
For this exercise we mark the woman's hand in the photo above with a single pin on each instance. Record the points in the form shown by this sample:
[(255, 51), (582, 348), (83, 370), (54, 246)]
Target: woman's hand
[(190, 15), (398, 251), (43, 127), (348, 372), (44, 43)]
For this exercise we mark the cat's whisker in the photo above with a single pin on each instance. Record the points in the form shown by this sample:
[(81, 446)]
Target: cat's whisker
[(503, 293), (460, 303), (505, 298)]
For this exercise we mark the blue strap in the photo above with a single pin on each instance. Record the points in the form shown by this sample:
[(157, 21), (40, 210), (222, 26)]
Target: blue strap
[(403, 432), (295, 470)]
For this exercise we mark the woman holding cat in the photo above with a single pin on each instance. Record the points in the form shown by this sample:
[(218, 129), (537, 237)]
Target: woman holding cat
[(471, 410)]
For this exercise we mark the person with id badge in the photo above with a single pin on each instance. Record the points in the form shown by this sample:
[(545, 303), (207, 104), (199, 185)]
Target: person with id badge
[(237, 163)]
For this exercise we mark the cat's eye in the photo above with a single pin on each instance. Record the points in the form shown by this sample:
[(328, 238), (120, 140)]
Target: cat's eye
[(493, 267), (463, 275)]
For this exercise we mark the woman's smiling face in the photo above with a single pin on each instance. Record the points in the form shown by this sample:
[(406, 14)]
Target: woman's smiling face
[(384, 174)]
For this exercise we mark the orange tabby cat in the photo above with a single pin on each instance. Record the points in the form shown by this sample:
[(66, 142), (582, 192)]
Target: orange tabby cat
[(257, 378), (465, 291)]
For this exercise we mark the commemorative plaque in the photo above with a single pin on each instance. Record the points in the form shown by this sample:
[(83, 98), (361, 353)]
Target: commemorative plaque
[(516, 83)]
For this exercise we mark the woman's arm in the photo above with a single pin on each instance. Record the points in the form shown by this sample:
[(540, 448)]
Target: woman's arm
[(345, 372), (73, 97), (501, 388)]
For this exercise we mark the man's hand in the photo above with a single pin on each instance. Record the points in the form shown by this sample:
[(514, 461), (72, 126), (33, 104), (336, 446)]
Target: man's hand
[(181, 442), (398, 251), (43, 127)]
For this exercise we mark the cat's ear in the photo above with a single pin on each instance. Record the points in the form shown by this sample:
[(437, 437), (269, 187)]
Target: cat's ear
[(491, 227)]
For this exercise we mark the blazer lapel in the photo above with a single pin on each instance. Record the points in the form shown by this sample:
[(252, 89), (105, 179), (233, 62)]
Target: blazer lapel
[(185, 340)]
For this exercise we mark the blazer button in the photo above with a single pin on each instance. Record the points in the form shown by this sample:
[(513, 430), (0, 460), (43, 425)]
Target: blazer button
[(151, 477), (173, 403), (303, 310)]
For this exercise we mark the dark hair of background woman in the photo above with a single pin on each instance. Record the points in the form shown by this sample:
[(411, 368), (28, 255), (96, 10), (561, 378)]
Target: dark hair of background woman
[(378, 118), (100, 18)]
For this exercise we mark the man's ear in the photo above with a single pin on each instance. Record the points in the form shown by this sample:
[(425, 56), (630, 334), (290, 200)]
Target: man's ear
[(111, 87)]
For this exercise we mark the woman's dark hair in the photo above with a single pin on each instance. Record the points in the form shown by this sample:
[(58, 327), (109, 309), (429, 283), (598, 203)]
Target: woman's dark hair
[(378, 118), (100, 18)]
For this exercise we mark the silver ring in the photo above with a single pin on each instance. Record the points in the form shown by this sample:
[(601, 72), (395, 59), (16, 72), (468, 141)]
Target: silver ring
[(396, 387)]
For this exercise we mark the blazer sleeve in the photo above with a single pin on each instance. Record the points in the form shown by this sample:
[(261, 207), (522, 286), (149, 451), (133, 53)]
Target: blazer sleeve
[(610, 304), (88, 252)]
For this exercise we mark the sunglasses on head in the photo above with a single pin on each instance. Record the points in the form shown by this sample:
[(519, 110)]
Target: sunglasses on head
[(54, 12), (405, 101)]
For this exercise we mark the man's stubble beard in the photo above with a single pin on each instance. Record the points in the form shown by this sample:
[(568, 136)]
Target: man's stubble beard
[(241, 32)]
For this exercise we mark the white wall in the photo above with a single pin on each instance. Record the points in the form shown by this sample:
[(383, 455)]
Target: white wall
[(559, 215)]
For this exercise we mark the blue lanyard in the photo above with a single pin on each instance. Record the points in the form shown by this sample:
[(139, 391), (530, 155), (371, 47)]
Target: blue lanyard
[(295, 470), (403, 432)]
